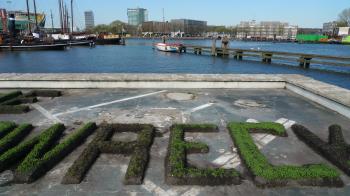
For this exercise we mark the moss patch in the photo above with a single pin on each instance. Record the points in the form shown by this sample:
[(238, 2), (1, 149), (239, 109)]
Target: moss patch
[(9, 96), (336, 150), (139, 151), (267, 175), (177, 172), (6, 127), (42, 158), (14, 137), (16, 109)]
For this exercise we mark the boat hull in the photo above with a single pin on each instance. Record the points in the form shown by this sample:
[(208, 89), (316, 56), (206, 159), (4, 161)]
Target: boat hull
[(81, 43), (114, 41), (32, 47), (72, 43), (168, 47)]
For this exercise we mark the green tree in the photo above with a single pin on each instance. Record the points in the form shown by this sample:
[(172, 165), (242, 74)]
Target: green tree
[(344, 17)]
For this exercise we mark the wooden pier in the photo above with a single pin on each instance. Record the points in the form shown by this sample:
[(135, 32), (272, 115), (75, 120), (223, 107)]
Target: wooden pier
[(304, 60)]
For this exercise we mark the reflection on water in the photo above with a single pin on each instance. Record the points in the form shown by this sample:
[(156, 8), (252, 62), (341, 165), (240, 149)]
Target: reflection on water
[(138, 56)]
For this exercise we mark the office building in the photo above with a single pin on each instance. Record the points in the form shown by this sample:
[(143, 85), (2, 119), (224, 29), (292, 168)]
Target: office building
[(89, 20), (329, 28), (266, 30), (137, 16), (189, 28)]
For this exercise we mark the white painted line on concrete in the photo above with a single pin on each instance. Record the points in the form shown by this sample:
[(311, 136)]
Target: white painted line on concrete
[(168, 108), (185, 115), (252, 121), (156, 190), (289, 124), (202, 107), (224, 158), (281, 120), (267, 139), (109, 103), (258, 136), (261, 139), (192, 192), (46, 113)]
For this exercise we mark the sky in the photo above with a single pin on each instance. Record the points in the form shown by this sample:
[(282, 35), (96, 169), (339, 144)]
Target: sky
[(304, 13)]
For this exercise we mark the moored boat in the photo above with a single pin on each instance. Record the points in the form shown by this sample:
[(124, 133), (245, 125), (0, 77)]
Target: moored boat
[(82, 43), (33, 47), (169, 47), (109, 39)]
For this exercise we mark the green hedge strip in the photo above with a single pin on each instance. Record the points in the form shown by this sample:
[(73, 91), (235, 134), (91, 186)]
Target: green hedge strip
[(44, 93), (16, 154), (38, 163), (15, 109), (15, 137), (46, 140), (259, 165), (6, 127), (177, 155), (140, 157), (9, 96)]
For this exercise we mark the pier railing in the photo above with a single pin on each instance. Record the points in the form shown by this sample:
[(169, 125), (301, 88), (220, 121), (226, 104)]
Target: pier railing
[(304, 60)]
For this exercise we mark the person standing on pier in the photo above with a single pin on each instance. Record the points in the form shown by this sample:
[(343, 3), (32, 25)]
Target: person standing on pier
[(225, 42), (163, 39)]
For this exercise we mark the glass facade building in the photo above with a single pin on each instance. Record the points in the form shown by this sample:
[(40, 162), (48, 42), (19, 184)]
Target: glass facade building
[(136, 16), (89, 20)]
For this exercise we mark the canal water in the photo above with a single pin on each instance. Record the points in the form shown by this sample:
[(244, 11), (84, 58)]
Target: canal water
[(138, 56)]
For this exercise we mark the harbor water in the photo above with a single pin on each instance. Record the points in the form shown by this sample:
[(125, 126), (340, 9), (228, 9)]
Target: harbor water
[(138, 56)]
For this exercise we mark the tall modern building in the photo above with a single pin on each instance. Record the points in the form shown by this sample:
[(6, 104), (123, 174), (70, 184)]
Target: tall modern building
[(89, 20), (136, 16)]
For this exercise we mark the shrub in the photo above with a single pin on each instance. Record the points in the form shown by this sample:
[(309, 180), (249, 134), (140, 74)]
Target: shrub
[(266, 174), (44, 93), (40, 159), (17, 109), (139, 151), (6, 127), (14, 137), (336, 150), (20, 100), (177, 170), (16, 154), (140, 157), (9, 96)]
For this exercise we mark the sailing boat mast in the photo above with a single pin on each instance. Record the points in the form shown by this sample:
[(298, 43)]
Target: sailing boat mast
[(36, 15), (28, 14), (71, 9), (67, 18), (63, 17), (60, 12), (52, 21)]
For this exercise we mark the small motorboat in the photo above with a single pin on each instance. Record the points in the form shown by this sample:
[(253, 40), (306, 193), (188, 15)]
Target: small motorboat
[(169, 47)]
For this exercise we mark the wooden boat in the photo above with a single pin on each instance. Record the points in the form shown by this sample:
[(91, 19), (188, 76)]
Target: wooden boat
[(109, 39), (112, 41), (82, 43), (33, 47), (169, 47)]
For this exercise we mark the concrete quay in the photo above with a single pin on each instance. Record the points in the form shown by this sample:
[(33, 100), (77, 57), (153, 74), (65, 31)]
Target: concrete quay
[(330, 96)]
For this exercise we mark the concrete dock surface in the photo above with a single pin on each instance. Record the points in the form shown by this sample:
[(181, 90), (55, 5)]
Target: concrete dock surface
[(163, 107)]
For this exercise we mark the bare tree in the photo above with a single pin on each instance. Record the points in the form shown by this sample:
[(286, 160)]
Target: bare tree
[(344, 16)]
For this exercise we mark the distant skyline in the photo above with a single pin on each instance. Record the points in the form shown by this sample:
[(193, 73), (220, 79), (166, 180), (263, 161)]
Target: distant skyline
[(304, 13)]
